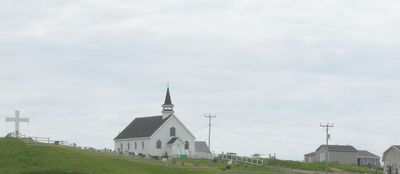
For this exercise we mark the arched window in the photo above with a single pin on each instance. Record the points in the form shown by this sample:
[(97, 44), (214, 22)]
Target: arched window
[(186, 145), (129, 146), (135, 145), (172, 132), (158, 144), (142, 144), (122, 146)]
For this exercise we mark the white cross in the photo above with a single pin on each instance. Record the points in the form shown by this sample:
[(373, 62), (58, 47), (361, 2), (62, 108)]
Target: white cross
[(17, 119)]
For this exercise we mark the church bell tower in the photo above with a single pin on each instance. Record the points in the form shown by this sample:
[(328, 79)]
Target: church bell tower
[(168, 107)]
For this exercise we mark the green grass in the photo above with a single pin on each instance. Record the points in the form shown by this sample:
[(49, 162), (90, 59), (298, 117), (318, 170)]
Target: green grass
[(221, 165), (318, 166), (356, 169), (17, 157)]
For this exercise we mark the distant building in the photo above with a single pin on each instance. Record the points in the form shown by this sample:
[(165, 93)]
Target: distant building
[(231, 154), (259, 155), (337, 154), (368, 159), (309, 157), (228, 155), (343, 154), (391, 160)]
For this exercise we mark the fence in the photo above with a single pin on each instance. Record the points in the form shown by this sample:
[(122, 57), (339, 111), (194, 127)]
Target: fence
[(48, 140), (244, 159)]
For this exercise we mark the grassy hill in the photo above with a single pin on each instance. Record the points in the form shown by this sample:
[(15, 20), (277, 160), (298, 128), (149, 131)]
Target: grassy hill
[(18, 157)]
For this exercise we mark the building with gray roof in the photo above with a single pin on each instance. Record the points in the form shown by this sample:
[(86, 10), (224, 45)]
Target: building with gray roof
[(368, 159), (309, 157), (201, 146), (343, 154)]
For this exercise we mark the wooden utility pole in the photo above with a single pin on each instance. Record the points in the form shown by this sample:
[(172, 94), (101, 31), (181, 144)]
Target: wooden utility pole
[(328, 136), (209, 116)]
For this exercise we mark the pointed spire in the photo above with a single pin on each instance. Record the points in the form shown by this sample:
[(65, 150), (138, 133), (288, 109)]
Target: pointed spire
[(168, 98), (168, 107)]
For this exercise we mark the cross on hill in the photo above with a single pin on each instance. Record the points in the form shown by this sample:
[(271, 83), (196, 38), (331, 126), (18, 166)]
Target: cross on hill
[(17, 119)]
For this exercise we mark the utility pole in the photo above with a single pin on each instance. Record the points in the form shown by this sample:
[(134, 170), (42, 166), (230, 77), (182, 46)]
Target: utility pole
[(328, 136), (209, 116)]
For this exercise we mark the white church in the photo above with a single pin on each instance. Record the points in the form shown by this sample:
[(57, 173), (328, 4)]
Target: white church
[(161, 135)]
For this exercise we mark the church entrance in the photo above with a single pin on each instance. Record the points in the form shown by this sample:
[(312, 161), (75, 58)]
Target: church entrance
[(176, 148)]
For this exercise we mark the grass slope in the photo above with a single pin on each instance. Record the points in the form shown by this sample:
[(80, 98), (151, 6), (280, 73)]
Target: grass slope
[(17, 157), (317, 166), (320, 166)]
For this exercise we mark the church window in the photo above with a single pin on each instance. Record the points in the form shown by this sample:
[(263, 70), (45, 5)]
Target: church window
[(122, 146), (129, 146), (135, 145), (172, 132), (186, 145), (142, 144), (158, 144)]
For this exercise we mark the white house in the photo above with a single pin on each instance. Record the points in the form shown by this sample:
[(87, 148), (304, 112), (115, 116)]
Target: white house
[(161, 135), (391, 160)]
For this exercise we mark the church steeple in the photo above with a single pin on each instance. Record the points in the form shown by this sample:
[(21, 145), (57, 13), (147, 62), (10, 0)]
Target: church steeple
[(168, 107), (168, 98)]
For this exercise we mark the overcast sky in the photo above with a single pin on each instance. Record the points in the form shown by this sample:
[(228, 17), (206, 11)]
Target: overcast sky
[(271, 71)]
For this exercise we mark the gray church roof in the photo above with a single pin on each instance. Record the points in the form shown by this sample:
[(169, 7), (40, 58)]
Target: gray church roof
[(172, 140), (364, 153), (142, 127), (397, 147), (339, 148), (201, 146)]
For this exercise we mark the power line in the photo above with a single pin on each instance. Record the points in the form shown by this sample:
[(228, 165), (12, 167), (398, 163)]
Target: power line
[(373, 131), (261, 137), (202, 127)]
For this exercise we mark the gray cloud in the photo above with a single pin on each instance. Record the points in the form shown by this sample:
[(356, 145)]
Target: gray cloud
[(271, 70)]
